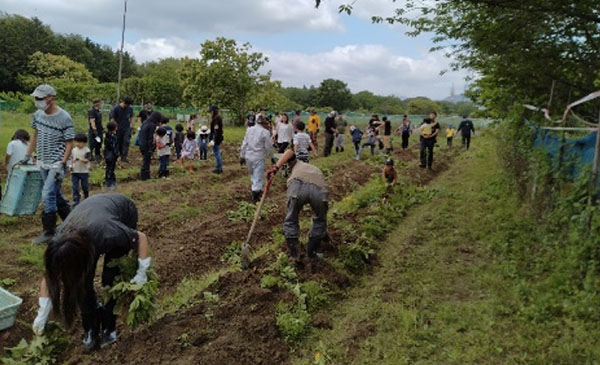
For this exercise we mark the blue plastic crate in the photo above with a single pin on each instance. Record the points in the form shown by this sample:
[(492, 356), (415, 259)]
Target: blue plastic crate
[(23, 191), (9, 304)]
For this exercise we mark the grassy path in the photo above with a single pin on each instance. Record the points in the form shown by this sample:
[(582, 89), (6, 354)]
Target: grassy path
[(438, 295)]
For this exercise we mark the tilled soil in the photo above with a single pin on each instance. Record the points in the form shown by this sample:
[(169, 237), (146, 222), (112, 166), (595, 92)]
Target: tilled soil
[(240, 327)]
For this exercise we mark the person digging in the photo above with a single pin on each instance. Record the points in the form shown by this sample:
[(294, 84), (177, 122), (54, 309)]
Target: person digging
[(306, 185), (104, 224)]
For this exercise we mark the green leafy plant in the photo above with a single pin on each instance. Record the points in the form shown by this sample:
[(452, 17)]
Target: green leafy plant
[(269, 281), (232, 253), (317, 295), (7, 283), (354, 257), (245, 212), (184, 340), (139, 301), (42, 350), (292, 321)]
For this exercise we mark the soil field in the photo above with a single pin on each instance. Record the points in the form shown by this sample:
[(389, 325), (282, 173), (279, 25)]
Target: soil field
[(186, 221)]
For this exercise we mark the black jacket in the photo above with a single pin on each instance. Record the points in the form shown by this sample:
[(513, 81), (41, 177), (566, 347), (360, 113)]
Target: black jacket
[(466, 127), (111, 152), (146, 136), (216, 129), (330, 126)]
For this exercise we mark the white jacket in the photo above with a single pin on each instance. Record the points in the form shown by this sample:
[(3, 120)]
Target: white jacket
[(257, 144)]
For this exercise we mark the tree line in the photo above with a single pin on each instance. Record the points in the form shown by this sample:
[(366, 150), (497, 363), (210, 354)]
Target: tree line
[(226, 73)]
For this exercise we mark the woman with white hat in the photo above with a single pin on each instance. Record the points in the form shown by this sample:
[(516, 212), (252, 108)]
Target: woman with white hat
[(202, 141)]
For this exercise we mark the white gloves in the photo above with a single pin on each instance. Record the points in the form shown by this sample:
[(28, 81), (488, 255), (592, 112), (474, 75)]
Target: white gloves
[(42, 317), (141, 277)]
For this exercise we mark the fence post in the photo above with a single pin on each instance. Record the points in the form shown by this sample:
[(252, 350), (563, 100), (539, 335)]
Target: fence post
[(593, 186)]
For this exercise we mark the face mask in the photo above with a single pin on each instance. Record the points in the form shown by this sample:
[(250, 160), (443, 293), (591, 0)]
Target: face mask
[(41, 104)]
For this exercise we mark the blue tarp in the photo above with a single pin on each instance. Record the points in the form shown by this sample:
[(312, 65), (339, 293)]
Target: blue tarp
[(577, 154)]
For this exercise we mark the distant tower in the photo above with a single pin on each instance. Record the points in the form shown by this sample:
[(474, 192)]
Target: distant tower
[(452, 94)]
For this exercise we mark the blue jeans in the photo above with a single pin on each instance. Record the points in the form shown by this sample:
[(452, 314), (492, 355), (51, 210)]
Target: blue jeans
[(76, 178), (217, 152), (52, 197), (163, 163)]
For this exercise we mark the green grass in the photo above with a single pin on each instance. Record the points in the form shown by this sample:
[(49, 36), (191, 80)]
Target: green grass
[(441, 295)]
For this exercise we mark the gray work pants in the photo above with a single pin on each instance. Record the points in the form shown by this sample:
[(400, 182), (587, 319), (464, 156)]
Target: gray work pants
[(299, 194)]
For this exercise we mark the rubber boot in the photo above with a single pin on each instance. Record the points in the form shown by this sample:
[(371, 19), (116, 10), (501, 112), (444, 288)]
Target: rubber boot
[(90, 341), (144, 175), (108, 337), (49, 224), (63, 211), (313, 245), (292, 244)]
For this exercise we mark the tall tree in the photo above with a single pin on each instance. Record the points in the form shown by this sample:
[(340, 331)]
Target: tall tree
[(518, 48), (225, 74), (19, 38), (334, 93)]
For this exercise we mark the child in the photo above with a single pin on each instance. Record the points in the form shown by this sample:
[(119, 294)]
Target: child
[(357, 135), (302, 142), (389, 173), (111, 154), (202, 141), (165, 124), (164, 151), (190, 149), (16, 151), (426, 128), (80, 167), (371, 141), (449, 135), (179, 138)]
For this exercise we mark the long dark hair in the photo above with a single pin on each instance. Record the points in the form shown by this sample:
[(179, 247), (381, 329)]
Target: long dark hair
[(69, 263), (21, 135)]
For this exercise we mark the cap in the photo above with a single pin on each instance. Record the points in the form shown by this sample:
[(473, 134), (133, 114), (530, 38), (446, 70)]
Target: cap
[(43, 90), (204, 128), (212, 108), (389, 162), (352, 128), (332, 113)]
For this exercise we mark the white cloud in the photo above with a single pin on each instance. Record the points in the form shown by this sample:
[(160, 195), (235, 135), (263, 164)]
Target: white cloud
[(371, 67), (151, 49), (158, 18)]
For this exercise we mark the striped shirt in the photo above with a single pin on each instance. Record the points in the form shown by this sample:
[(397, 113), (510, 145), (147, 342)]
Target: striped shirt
[(53, 131), (302, 140)]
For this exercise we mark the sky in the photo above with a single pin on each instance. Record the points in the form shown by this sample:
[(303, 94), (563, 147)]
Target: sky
[(304, 45)]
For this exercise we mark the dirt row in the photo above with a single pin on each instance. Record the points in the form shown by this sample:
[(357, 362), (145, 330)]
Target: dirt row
[(241, 327)]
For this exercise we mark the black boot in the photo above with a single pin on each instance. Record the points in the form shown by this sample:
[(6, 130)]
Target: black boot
[(144, 175), (313, 245), (63, 211), (90, 341), (292, 244), (49, 224), (108, 337), (342, 149), (255, 197)]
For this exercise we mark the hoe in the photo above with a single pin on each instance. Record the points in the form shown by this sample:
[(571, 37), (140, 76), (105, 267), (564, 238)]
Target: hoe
[(245, 255)]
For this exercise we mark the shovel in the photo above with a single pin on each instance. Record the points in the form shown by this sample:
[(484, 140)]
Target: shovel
[(245, 255)]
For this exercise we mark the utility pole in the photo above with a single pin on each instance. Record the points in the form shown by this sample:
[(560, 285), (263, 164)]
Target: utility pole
[(121, 55)]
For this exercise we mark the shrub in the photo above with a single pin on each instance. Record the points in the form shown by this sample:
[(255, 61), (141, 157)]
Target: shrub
[(41, 350)]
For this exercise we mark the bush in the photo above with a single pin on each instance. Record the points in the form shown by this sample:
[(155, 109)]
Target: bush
[(41, 350)]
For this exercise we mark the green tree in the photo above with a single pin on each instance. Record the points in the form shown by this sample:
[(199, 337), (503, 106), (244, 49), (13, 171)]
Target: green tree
[(157, 82), (365, 100), (422, 105), (226, 74), (519, 48), (48, 68), (334, 93), (19, 38), (269, 94)]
